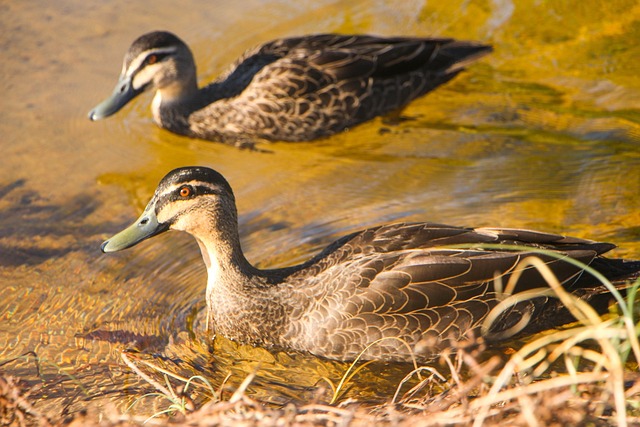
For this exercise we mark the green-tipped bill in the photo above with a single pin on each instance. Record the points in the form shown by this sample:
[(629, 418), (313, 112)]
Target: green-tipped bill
[(146, 226)]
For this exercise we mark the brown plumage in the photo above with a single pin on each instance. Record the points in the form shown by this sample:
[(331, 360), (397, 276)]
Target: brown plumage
[(291, 89), (394, 281)]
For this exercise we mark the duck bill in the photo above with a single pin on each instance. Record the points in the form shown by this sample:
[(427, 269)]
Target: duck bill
[(145, 227), (122, 94)]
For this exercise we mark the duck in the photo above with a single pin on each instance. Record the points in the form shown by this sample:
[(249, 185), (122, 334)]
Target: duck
[(392, 292), (289, 89)]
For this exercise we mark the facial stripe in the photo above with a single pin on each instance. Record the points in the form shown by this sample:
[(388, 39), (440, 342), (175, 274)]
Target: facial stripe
[(213, 188), (168, 211), (165, 205), (137, 62), (144, 76)]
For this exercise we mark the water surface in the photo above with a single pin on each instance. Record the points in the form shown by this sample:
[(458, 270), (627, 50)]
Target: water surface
[(542, 134)]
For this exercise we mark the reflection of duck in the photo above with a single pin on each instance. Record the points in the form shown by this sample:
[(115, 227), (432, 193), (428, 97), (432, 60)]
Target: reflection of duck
[(290, 89), (390, 281)]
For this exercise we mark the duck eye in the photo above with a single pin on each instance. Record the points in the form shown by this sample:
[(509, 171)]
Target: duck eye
[(185, 191), (152, 59)]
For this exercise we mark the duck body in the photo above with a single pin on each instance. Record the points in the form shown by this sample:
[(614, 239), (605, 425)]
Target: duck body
[(371, 289), (291, 89)]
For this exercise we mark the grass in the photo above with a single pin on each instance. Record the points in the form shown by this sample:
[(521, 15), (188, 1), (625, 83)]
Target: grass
[(565, 376), (179, 399), (616, 338), (593, 354), (353, 369)]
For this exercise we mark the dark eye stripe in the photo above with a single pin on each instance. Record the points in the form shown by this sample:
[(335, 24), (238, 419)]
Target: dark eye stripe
[(196, 191), (154, 58), (205, 189)]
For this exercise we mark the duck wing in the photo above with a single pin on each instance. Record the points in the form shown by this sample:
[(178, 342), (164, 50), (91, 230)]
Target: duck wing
[(305, 87), (407, 282)]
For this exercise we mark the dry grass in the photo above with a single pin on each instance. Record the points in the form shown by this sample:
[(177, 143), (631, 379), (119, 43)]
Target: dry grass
[(574, 376)]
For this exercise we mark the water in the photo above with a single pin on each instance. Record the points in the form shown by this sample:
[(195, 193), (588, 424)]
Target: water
[(542, 134)]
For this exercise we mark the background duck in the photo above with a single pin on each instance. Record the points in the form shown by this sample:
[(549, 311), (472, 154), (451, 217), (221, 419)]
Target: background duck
[(393, 281), (291, 89)]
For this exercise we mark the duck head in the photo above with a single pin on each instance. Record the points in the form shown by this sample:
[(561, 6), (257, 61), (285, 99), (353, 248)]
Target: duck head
[(157, 60), (197, 200)]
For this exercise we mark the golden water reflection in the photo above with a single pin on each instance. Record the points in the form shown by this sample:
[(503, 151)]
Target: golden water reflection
[(544, 133)]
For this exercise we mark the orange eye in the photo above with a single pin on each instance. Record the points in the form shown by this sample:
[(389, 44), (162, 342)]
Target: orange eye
[(152, 59), (185, 192)]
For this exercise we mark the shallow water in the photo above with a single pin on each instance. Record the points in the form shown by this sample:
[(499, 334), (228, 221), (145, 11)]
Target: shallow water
[(544, 133)]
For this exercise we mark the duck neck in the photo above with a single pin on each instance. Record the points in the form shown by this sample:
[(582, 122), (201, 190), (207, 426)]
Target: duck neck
[(177, 91), (223, 257), (226, 264), (176, 94), (232, 282)]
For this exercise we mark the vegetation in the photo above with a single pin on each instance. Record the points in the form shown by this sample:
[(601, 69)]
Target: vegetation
[(584, 374)]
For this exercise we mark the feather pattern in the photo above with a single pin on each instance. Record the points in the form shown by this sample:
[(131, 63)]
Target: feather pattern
[(292, 89), (393, 282)]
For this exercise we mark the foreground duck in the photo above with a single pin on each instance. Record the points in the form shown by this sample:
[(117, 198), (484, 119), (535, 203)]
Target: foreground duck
[(396, 280), (291, 89)]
